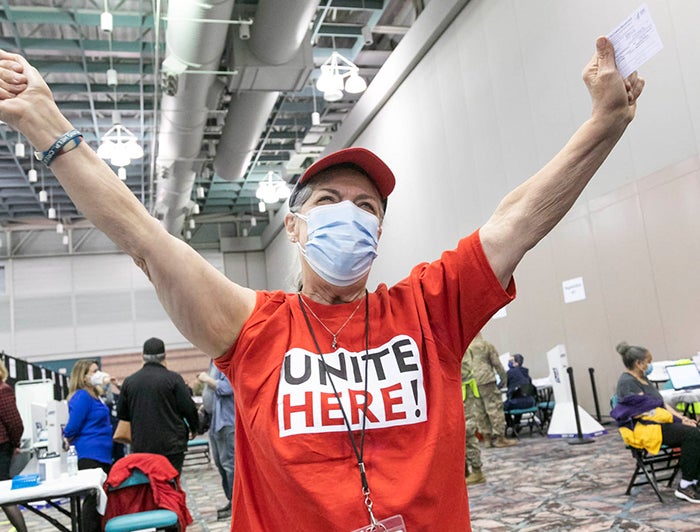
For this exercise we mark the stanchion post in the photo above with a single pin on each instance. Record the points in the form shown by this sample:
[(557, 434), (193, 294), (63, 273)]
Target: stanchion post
[(579, 439), (591, 371)]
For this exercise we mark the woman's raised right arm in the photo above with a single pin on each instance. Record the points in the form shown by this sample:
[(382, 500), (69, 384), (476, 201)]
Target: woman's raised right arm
[(207, 308)]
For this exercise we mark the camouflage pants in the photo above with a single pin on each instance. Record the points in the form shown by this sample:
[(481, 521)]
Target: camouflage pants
[(473, 453), (487, 410)]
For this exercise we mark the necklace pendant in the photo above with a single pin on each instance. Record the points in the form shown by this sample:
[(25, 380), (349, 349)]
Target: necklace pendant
[(334, 343)]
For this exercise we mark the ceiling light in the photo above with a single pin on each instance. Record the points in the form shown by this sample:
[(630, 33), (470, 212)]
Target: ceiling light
[(253, 221), (245, 231), (272, 189), (315, 116), (52, 213), (192, 223), (119, 145), (59, 228), (106, 21), (261, 206), (20, 150), (200, 192), (332, 80), (43, 197), (244, 32), (355, 84), (333, 95), (121, 172), (188, 234), (32, 175), (195, 208), (112, 77), (65, 240)]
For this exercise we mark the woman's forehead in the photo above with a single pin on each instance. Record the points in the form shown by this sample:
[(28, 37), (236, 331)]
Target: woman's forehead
[(346, 178)]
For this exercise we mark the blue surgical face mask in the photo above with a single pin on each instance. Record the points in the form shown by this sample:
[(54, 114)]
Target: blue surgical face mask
[(511, 364), (341, 242), (649, 369)]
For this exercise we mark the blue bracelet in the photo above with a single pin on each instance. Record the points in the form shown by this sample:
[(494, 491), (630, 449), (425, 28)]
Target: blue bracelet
[(63, 144)]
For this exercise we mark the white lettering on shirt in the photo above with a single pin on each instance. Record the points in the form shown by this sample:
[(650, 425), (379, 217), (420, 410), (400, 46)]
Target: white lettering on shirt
[(395, 389)]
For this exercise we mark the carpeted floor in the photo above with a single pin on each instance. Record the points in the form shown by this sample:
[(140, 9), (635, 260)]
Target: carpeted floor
[(549, 484), (541, 484)]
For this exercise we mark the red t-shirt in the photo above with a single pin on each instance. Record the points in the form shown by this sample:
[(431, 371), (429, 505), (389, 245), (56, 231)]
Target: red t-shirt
[(295, 467)]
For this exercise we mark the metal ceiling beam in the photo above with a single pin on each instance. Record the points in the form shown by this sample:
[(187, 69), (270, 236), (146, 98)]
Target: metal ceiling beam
[(61, 16)]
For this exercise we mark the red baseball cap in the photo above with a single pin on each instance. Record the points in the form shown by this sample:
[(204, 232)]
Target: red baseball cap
[(376, 169)]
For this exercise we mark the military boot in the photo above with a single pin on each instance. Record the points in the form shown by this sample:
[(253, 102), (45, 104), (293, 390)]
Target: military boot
[(475, 477), (502, 441)]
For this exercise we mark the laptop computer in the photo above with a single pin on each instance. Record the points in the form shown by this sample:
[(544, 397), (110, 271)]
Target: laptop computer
[(684, 377)]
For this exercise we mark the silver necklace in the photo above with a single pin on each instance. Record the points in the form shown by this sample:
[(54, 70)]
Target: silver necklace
[(335, 334)]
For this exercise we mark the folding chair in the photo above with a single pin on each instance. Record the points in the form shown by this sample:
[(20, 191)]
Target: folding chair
[(545, 403), (151, 519), (528, 416), (144, 493), (654, 468)]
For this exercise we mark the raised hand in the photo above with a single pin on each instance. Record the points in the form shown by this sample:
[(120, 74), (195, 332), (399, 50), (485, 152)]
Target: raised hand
[(26, 102), (613, 97)]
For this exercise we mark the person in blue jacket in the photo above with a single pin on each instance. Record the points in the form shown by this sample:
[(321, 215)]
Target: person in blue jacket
[(89, 429)]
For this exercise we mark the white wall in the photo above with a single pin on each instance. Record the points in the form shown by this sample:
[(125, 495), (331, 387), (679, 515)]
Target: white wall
[(80, 306)]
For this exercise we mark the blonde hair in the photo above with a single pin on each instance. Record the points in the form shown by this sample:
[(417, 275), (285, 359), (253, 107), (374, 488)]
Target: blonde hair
[(3, 371), (77, 378)]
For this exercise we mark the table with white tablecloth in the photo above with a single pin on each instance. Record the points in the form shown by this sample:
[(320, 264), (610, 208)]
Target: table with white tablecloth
[(51, 491)]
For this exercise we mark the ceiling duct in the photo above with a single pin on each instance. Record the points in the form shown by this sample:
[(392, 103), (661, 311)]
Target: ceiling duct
[(277, 57), (192, 46)]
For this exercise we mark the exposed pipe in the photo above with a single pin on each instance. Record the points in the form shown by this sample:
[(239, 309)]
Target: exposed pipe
[(191, 46), (279, 29), (276, 35)]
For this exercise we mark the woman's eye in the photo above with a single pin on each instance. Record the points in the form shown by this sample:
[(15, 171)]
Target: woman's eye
[(369, 207)]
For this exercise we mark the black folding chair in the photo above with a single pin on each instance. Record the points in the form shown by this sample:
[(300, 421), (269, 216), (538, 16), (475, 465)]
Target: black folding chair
[(654, 468)]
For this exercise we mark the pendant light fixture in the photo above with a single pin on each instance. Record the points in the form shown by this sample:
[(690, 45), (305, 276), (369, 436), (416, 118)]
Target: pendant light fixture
[(20, 149), (272, 189), (338, 74), (119, 145)]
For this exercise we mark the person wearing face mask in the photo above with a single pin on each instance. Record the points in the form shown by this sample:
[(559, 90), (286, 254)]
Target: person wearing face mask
[(636, 398), (89, 429), (347, 400)]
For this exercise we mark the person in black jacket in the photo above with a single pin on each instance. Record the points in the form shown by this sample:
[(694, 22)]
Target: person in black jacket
[(159, 406), (520, 389)]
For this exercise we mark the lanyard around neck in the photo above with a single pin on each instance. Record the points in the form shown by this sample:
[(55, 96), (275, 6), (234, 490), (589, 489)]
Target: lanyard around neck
[(359, 453)]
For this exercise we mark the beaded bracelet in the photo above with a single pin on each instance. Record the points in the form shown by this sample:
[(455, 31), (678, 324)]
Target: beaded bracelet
[(63, 144)]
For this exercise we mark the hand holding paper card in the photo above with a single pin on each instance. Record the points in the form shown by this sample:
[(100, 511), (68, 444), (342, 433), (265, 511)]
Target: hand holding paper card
[(635, 41)]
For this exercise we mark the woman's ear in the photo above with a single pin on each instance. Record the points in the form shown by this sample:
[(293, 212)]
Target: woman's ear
[(290, 226)]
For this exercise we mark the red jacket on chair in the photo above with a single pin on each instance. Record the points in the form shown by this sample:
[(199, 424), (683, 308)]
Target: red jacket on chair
[(163, 492)]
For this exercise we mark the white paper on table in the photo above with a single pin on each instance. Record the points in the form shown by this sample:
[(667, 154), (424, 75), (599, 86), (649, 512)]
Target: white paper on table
[(635, 41)]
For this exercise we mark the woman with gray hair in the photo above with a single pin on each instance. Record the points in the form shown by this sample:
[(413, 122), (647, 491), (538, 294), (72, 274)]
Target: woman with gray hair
[(636, 397)]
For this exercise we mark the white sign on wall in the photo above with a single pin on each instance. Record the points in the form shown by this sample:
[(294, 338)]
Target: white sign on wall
[(573, 290)]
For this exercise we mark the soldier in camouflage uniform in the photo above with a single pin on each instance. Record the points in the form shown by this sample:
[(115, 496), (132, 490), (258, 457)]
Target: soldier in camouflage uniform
[(484, 401), (472, 461)]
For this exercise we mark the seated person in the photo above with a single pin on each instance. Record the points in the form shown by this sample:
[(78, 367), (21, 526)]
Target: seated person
[(521, 392), (637, 397)]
